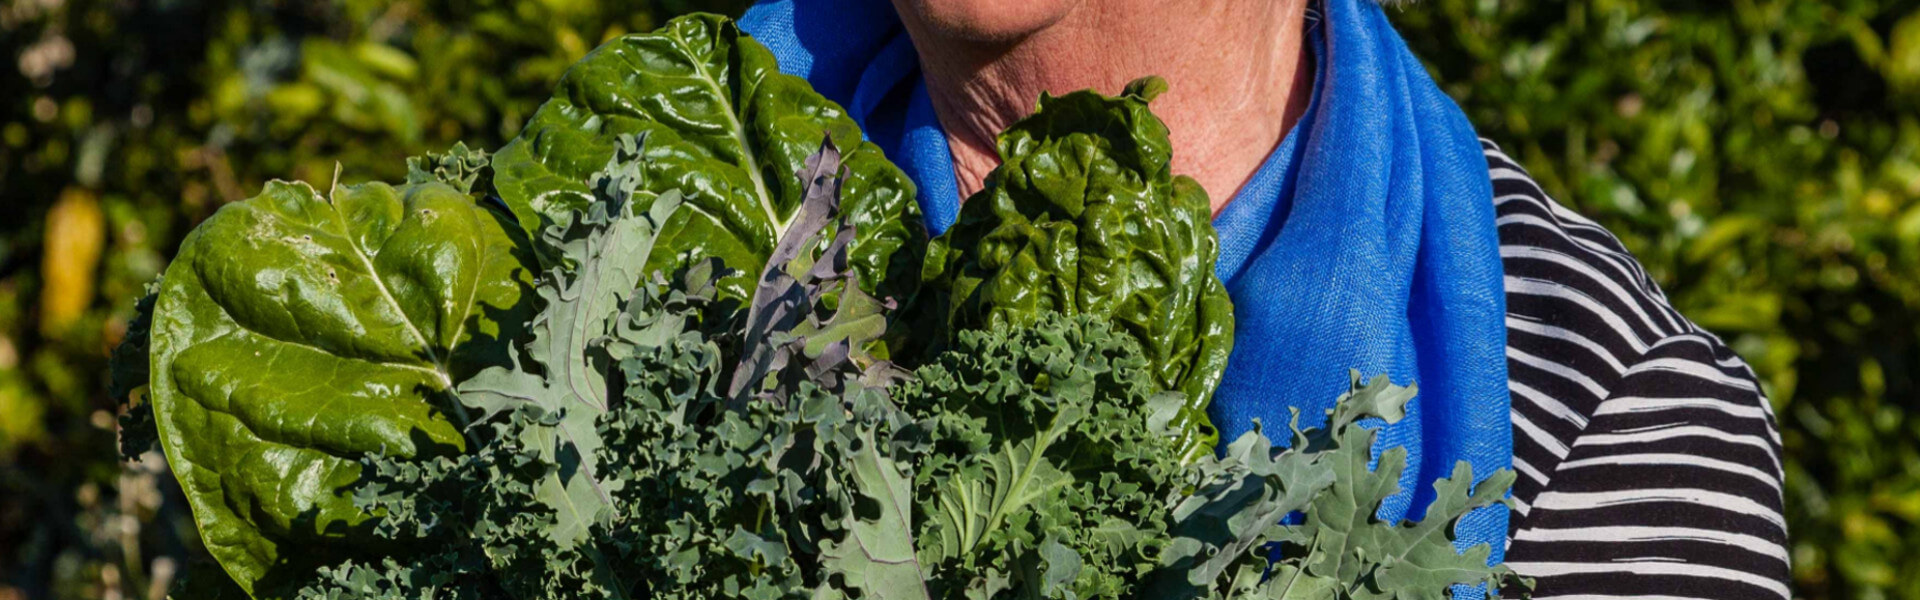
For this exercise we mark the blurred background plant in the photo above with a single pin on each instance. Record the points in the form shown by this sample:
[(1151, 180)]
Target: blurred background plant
[(1761, 157)]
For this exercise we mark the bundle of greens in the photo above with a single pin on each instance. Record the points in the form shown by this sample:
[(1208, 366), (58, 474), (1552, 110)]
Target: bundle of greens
[(672, 343)]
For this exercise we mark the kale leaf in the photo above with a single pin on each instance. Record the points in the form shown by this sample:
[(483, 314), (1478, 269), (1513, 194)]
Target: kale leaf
[(599, 251), (127, 374), (368, 394), (1233, 538), (1053, 456)]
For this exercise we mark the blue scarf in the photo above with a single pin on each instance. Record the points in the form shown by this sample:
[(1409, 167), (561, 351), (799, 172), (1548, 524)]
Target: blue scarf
[(1365, 241)]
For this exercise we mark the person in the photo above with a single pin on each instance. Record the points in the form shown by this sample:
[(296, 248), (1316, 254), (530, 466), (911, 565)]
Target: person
[(1364, 225)]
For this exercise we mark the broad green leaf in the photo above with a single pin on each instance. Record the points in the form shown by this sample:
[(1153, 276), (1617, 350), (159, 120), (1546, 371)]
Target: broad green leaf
[(728, 130), (1085, 216), (296, 333)]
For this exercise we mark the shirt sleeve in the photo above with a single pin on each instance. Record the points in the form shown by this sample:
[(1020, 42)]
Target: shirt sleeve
[(1648, 454), (1673, 490)]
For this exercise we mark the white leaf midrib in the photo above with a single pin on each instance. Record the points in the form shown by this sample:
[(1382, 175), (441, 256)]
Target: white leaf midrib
[(366, 262), (750, 160)]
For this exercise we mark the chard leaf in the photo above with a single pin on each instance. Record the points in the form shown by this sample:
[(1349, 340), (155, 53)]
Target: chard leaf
[(1085, 216), (295, 333), (724, 127)]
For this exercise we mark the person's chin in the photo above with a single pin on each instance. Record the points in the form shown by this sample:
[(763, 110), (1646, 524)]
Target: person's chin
[(986, 20)]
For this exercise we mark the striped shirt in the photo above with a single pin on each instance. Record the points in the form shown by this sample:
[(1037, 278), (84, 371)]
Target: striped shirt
[(1648, 455)]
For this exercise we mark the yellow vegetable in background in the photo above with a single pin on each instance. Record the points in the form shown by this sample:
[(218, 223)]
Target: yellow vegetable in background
[(76, 231)]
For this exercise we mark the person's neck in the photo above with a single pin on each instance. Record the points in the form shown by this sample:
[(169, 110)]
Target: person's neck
[(1237, 77)]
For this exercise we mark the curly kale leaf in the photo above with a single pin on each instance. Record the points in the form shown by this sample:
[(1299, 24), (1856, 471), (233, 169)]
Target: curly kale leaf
[(439, 577), (799, 494), (462, 168), (599, 253), (476, 525), (1084, 216), (797, 499), (127, 373), (800, 500), (798, 489), (1051, 461), (1229, 529), (876, 553)]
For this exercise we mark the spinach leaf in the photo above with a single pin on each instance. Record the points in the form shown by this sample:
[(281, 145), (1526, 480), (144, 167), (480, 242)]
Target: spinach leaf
[(728, 130), (1085, 216), (295, 333)]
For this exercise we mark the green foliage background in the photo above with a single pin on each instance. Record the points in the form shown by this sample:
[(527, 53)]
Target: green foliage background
[(1761, 157)]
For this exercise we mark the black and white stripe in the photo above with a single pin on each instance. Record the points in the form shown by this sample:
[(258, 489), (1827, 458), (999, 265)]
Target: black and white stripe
[(1649, 458)]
